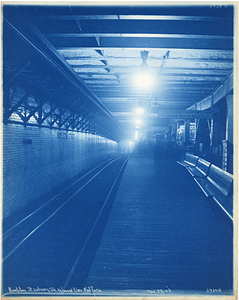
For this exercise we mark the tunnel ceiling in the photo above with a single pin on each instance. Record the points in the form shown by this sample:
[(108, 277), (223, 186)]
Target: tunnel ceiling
[(190, 53)]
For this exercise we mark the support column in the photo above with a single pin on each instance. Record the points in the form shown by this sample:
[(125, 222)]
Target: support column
[(187, 129), (229, 124), (228, 143), (216, 127)]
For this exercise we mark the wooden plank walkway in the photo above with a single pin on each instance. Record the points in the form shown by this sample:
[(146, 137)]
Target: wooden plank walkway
[(162, 233)]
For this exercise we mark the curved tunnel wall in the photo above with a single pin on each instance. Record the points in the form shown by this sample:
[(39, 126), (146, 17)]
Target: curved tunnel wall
[(37, 160)]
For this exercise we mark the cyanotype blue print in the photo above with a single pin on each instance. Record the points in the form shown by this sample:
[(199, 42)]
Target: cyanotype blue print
[(118, 150)]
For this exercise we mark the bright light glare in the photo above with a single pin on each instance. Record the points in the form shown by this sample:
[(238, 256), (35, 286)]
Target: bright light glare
[(136, 135), (144, 80), (139, 111), (138, 121)]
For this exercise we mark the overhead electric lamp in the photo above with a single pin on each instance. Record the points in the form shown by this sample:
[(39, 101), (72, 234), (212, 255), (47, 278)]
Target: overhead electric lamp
[(136, 135), (139, 111), (144, 55), (143, 79), (138, 121)]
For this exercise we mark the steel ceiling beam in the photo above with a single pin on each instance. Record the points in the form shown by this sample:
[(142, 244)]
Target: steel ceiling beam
[(54, 106), (136, 35), (137, 42), (171, 82), (15, 20), (16, 73), (178, 90), (118, 49), (39, 107), (169, 95), (132, 17), (123, 76), (155, 60), (107, 57), (224, 89), (192, 75), (131, 68), (24, 98), (177, 84)]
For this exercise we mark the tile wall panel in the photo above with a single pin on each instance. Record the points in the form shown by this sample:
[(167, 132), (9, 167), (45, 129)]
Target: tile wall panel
[(36, 160)]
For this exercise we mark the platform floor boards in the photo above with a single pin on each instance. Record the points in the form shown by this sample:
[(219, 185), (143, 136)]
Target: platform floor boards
[(162, 233)]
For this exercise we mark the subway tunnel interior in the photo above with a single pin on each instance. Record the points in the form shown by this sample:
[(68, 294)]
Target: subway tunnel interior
[(118, 150)]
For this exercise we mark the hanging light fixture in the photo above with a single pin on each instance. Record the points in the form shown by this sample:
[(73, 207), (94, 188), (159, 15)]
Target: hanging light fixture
[(144, 79), (144, 56), (136, 135), (138, 121), (139, 110)]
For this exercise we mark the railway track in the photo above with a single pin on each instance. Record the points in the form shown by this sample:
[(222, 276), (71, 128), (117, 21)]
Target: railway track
[(59, 231)]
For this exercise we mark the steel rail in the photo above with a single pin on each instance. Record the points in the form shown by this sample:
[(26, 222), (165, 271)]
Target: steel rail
[(52, 214), (53, 198), (93, 227)]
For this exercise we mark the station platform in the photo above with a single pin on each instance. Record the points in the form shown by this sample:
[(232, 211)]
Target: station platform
[(163, 234)]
